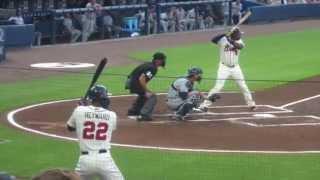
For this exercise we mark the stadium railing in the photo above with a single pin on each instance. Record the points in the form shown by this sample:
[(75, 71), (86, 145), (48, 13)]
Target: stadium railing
[(57, 13)]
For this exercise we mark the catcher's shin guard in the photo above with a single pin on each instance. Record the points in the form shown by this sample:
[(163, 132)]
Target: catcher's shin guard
[(184, 109)]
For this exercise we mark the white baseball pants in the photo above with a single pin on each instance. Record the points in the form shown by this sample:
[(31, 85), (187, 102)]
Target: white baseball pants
[(98, 164), (224, 72)]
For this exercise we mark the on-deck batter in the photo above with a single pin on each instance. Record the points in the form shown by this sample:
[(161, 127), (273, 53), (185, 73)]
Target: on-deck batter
[(94, 125)]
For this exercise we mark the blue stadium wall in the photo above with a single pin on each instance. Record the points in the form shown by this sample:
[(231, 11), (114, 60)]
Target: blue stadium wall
[(283, 12)]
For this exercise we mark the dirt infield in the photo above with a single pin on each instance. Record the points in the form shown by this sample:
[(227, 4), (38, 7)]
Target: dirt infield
[(287, 119), (227, 126)]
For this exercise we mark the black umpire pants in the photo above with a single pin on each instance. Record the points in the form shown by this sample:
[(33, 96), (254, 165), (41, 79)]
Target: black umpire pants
[(137, 104)]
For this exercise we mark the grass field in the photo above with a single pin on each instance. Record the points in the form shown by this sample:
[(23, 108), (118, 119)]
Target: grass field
[(286, 56)]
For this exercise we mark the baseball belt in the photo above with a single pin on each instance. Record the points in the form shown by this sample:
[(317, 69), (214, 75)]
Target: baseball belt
[(230, 66), (100, 152)]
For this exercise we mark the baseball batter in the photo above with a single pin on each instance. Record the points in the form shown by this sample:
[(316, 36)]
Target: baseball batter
[(230, 47), (182, 97), (94, 125)]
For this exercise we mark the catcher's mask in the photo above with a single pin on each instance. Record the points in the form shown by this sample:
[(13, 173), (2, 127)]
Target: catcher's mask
[(99, 93), (195, 71), (159, 56)]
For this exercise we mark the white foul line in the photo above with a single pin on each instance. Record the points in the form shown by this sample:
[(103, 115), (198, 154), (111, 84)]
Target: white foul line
[(12, 121), (300, 101)]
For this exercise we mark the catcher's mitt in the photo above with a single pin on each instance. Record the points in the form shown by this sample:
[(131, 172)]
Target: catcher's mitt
[(214, 97), (196, 98)]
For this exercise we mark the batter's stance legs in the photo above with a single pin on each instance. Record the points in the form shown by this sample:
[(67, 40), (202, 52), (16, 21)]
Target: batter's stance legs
[(222, 75), (246, 93), (217, 88), (239, 79)]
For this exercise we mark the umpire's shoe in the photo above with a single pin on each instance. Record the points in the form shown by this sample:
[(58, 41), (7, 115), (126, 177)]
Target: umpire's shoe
[(144, 118)]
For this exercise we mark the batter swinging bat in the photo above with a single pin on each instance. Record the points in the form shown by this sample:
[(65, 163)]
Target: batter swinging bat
[(96, 75), (244, 18)]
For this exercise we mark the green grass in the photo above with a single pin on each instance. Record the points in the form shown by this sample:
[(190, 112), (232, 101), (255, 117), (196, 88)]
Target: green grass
[(285, 56), (27, 154)]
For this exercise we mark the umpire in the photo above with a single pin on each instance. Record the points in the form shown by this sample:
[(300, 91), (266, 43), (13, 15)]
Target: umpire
[(137, 84)]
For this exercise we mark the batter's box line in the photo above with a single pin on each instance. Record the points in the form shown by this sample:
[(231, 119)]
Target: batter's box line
[(234, 113), (245, 106), (237, 120), (215, 114), (206, 120), (281, 124)]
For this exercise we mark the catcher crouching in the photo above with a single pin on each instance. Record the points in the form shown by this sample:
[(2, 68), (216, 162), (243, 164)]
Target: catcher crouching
[(182, 97)]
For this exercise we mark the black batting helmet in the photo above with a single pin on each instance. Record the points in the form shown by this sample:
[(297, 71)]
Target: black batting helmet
[(236, 34), (160, 56), (99, 93)]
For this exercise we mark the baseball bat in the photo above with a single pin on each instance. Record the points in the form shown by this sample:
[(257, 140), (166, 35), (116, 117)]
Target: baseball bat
[(242, 20), (96, 75)]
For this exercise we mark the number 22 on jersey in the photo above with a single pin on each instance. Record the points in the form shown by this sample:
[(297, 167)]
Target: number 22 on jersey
[(95, 131)]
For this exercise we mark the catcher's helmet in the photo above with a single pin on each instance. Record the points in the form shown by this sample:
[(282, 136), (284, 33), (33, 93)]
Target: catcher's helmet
[(195, 71), (99, 93), (160, 56)]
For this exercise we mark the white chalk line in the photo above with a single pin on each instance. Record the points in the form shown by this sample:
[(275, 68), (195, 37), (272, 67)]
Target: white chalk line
[(300, 101), (280, 110), (216, 114), (239, 120), (281, 124), (11, 120)]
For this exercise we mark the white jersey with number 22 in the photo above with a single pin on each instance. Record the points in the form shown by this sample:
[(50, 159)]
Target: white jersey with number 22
[(94, 126)]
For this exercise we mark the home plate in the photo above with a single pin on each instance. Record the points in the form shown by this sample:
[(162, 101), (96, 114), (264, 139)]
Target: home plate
[(265, 115)]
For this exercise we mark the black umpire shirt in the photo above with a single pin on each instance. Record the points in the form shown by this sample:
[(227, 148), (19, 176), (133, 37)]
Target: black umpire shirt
[(148, 69)]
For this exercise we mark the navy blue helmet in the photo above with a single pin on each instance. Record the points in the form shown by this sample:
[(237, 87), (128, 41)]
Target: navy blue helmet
[(195, 71), (99, 93)]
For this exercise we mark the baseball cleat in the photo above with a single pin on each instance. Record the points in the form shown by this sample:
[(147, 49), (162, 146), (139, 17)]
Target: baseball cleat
[(178, 117), (144, 118), (253, 108), (204, 109), (199, 110)]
